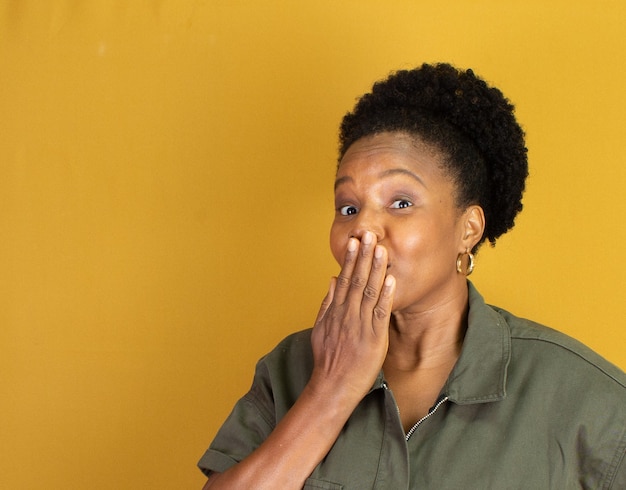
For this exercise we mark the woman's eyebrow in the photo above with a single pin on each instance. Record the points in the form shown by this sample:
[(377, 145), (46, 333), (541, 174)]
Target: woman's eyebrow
[(343, 180)]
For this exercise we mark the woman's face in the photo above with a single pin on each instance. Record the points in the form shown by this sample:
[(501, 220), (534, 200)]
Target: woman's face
[(393, 185)]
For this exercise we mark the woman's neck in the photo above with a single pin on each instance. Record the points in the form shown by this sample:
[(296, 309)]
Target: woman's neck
[(428, 338)]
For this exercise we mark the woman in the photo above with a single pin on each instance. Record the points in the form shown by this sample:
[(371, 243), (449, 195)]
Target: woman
[(408, 379)]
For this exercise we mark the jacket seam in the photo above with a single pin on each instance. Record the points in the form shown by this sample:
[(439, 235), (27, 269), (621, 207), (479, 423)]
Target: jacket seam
[(383, 438), (252, 399), (574, 352), (617, 461)]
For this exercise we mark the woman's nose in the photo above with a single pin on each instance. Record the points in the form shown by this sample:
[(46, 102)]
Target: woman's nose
[(368, 221)]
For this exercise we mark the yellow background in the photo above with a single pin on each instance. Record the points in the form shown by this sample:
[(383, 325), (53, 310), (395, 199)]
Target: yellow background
[(165, 198)]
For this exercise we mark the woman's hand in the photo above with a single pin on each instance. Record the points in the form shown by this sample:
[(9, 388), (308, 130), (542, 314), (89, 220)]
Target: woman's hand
[(351, 334), (350, 340)]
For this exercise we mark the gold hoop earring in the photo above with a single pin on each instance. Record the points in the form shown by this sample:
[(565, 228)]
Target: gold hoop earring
[(470, 263)]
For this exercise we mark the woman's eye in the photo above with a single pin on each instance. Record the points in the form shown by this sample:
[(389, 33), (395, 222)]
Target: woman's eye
[(401, 204), (347, 210)]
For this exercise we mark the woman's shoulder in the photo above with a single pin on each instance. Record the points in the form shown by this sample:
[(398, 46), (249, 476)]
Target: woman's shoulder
[(535, 347), (292, 356), (557, 350), (295, 344)]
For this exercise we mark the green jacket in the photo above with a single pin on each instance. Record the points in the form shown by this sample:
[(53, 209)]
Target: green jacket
[(525, 407)]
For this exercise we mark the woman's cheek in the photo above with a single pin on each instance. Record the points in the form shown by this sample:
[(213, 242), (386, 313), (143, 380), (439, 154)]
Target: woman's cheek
[(337, 246), (339, 253)]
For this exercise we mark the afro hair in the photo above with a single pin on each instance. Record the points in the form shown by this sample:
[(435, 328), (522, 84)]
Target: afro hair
[(471, 123)]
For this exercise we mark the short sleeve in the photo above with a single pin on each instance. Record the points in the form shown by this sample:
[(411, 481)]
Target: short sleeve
[(248, 425)]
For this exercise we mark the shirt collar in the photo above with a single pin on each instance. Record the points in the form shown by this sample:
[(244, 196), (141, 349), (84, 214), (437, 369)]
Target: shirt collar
[(479, 375)]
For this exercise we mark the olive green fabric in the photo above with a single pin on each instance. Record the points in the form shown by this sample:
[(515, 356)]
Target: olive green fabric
[(525, 407)]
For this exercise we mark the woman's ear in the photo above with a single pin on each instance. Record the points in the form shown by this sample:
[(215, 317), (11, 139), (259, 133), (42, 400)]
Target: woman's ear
[(473, 221)]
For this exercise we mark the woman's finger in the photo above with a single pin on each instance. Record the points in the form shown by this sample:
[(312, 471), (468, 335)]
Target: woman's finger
[(327, 301), (375, 280), (362, 268), (382, 311), (344, 279)]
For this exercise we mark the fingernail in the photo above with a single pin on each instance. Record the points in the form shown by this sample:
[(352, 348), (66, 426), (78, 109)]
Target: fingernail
[(378, 252), (367, 238), (352, 244)]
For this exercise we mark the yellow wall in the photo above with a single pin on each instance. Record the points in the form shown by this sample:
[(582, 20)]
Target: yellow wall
[(165, 197)]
